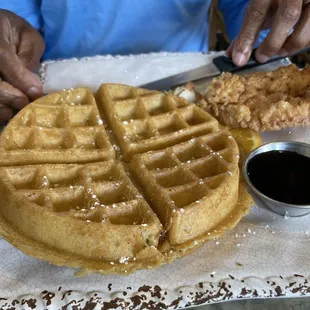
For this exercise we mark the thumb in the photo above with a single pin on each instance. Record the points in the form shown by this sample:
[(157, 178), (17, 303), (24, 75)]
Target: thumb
[(15, 73), (230, 49)]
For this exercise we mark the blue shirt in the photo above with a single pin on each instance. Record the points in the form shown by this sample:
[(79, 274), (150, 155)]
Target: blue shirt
[(76, 28)]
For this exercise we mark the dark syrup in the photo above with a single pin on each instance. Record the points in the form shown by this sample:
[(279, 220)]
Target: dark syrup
[(281, 175)]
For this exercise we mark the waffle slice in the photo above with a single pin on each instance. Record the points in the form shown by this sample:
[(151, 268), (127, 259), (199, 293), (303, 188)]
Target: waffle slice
[(143, 120), (192, 186), (91, 211), (60, 128)]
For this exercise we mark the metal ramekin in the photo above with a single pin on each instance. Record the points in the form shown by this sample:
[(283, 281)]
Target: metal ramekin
[(262, 200)]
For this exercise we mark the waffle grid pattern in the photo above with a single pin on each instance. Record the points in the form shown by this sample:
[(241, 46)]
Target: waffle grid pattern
[(189, 165), (145, 122), (69, 128), (181, 178), (95, 192)]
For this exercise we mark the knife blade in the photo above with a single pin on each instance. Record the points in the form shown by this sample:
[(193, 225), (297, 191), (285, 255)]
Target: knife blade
[(183, 77), (219, 64)]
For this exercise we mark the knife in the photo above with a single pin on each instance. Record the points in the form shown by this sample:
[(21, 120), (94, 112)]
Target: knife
[(219, 64)]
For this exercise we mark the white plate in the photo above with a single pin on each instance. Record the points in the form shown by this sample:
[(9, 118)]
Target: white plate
[(265, 256)]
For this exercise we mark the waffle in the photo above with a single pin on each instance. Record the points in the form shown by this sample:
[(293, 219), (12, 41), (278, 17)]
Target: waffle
[(184, 182), (143, 120), (59, 128), (97, 201), (75, 192)]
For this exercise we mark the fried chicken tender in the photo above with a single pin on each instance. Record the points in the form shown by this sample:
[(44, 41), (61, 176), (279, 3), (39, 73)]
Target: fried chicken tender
[(261, 101)]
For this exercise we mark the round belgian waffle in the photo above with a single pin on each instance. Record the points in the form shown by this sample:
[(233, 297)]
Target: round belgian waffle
[(132, 179)]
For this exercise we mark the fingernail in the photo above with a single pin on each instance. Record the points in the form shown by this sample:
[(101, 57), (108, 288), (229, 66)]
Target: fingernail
[(283, 53), (239, 59), (34, 92), (261, 58)]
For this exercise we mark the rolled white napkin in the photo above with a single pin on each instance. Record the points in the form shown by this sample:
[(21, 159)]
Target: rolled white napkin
[(132, 70)]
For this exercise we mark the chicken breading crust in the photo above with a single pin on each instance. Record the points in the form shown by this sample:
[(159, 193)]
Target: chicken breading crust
[(261, 101)]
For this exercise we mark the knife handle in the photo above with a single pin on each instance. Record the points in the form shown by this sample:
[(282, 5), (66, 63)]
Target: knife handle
[(225, 64)]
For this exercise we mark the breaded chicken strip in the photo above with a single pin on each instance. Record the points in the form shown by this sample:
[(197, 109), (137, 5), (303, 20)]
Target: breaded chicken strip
[(261, 101)]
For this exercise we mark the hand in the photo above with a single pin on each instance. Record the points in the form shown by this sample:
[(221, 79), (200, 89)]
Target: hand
[(21, 48), (289, 23)]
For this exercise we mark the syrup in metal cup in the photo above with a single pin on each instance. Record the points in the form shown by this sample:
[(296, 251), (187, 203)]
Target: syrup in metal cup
[(278, 177)]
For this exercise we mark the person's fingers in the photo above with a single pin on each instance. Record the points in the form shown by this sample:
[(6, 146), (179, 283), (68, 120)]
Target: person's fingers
[(30, 49), (5, 113), (300, 38), (253, 20), (230, 49), (15, 73), (286, 18), (11, 97)]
